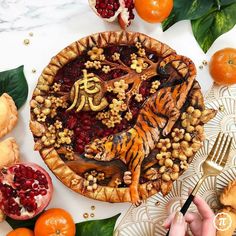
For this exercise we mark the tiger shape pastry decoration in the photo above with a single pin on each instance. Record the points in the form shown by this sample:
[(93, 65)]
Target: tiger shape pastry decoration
[(118, 116)]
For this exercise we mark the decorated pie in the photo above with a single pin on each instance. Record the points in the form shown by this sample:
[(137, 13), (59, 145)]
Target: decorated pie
[(118, 116)]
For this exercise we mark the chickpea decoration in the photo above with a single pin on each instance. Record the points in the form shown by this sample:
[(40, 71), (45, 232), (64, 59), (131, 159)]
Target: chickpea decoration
[(175, 151)]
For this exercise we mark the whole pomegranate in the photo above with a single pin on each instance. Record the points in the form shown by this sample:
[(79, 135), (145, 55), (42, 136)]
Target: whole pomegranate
[(110, 10), (25, 190)]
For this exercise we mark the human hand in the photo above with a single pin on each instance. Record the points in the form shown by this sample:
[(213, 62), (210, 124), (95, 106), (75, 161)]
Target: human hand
[(201, 224)]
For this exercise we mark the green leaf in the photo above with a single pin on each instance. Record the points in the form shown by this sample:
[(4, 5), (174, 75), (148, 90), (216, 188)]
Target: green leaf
[(22, 223), (226, 2), (187, 10), (14, 83), (209, 27), (97, 227)]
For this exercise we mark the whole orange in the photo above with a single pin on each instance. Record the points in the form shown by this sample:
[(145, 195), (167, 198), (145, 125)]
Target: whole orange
[(153, 11), (222, 66), (55, 222), (21, 232)]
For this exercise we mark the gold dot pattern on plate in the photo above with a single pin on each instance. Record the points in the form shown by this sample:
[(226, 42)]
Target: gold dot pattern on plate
[(92, 215), (204, 62), (201, 67), (93, 208), (31, 34), (33, 70)]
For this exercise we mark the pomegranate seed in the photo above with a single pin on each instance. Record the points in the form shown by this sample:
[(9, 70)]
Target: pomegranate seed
[(31, 207), (110, 13), (99, 11), (41, 177), (29, 183), (35, 185), (43, 192), (116, 6), (102, 5), (31, 194), (110, 7)]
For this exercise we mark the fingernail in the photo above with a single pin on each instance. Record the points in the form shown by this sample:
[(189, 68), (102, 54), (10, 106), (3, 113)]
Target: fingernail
[(179, 218), (190, 191)]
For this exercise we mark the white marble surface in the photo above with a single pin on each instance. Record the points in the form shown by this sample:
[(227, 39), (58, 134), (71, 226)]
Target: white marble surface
[(55, 24)]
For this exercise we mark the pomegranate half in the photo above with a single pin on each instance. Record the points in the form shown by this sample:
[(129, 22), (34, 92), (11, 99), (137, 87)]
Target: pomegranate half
[(25, 190), (110, 10)]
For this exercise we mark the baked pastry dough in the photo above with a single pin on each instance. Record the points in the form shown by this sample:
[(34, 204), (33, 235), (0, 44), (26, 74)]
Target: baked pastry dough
[(232, 215), (8, 114), (118, 116), (9, 152), (228, 199)]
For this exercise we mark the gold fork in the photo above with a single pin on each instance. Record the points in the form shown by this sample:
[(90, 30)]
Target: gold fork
[(212, 166)]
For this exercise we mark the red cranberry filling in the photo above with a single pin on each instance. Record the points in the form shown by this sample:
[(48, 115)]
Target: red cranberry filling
[(84, 124)]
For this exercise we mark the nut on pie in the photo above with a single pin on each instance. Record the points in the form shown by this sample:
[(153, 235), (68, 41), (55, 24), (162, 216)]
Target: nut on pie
[(118, 116)]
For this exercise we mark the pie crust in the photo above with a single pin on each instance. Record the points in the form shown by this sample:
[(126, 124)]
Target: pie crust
[(227, 199), (8, 114), (9, 152), (148, 103)]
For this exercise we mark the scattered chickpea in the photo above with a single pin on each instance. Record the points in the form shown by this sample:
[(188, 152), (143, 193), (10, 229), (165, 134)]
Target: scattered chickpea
[(26, 42)]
